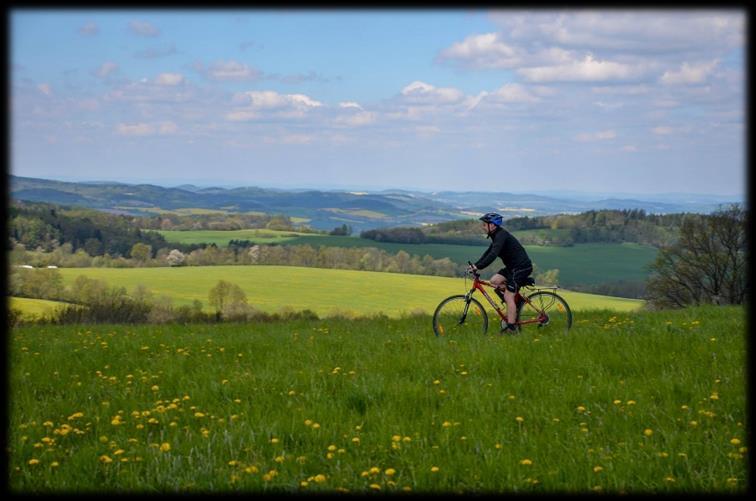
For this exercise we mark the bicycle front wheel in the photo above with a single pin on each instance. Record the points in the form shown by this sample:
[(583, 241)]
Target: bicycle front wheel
[(546, 311), (456, 315)]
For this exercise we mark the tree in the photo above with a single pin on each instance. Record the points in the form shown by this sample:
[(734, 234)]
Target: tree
[(175, 258), (707, 265), (227, 298), (141, 252)]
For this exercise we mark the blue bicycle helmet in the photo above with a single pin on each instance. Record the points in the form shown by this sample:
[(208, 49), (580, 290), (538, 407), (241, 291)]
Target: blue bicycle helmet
[(493, 218)]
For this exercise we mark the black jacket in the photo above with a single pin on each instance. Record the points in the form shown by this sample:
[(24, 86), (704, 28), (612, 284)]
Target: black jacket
[(505, 246)]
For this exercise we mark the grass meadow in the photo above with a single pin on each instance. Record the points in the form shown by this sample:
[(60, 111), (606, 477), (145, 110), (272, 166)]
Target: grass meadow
[(586, 264), (324, 291), (627, 402)]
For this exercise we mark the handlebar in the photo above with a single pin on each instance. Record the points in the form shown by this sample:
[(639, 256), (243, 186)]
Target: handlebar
[(473, 272)]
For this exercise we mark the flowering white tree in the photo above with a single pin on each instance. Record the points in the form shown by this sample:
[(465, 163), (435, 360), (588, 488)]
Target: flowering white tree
[(175, 258)]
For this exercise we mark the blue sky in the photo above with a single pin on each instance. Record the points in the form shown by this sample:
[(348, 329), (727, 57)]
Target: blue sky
[(467, 100)]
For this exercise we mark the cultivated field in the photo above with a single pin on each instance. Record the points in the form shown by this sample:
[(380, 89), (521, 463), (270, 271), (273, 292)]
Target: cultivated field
[(324, 291), (580, 264), (626, 403)]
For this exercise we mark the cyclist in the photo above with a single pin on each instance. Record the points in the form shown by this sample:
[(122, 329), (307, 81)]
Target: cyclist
[(517, 264)]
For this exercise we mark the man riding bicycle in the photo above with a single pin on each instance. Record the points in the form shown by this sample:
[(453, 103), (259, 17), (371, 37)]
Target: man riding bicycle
[(517, 264)]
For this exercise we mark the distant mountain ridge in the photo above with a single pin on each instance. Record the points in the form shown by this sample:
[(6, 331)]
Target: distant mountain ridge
[(328, 209)]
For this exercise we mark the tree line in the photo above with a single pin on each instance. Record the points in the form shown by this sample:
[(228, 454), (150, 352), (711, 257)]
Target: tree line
[(611, 226)]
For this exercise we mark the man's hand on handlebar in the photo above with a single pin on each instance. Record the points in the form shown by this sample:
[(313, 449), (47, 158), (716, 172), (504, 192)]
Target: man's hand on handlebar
[(471, 268)]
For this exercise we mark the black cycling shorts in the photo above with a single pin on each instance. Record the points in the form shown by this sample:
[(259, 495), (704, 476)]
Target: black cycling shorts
[(515, 277)]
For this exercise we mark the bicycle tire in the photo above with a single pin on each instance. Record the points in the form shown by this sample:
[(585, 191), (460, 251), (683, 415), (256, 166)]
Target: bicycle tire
[(549, 308), (446, 318)]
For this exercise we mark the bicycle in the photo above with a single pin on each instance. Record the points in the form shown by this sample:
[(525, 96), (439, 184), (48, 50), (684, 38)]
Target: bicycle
[(463, 313)]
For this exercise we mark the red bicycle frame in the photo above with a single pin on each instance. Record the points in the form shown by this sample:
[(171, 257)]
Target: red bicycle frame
[(480, 285)]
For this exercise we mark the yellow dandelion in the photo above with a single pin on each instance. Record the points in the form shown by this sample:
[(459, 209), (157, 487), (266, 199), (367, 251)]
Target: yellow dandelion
[(375, 487), (356, 440), (54, 464), (732, 481), (304, 483), (434, 469), (279, 459), (446, 424), (598, 469), (105, 459), (580, 408), (331, 448), (320, 478), (390, 472), (519, 419), (526, 462), (396, 438), (436, 382), (669, 479), (375, 470), (308, 422), (631, 402), (251, 469), (199, 414), (274, 440), (32, 462), (155, 387), (165, 447), (315, 426), (616, 402), (648, 432), (735, 441)]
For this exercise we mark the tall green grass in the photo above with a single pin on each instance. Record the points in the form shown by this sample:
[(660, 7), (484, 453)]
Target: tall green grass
[(626, 403), (324, 291)]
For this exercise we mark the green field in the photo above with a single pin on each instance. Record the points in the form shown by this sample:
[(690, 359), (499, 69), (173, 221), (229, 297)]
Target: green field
[(324, 291), (585, 264), (627, 403), (34, 308)]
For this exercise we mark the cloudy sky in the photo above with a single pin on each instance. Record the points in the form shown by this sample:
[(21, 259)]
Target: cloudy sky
[(507, 100)]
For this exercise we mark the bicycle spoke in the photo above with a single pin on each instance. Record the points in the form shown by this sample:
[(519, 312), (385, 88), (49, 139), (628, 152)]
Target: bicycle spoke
[(455, 316), (546, 312)]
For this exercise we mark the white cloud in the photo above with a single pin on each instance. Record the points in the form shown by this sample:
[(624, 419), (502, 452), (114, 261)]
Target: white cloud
[(106, 69), (514, 93), (228, 71), (356, 119), (146, 129), (482, 51), (588, 69), (138, 129), (45, 89), (689, 73), (423, 93), (603, 135), (89, 29), (349, 104), (662, 130), (143, 28), (169, 79)]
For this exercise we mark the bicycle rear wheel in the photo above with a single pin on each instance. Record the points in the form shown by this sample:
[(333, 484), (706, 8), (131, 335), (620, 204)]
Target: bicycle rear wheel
[(546, 311), (457, 316)]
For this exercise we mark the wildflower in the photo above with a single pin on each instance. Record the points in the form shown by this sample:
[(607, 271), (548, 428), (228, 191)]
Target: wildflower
[(155, 387), (356, 440), (526, 462), (396, 438), (732, 481), (320, 478), (105, 459), (199, 414), (390, 472), (375, 470), (631, 402), (434, 469), (304, 483), (580, 408), (669, 479), (75, 415), (165, 447), (331, 448), (436, 382), (32, 461), (597, 469), (315, 426), (308, 422), (616, 402), (648, 432), (251, 469), (446, 424), (519, 419), (54, 464), (693, 424), (279, 459), (735, 441), (274, 440), (375, 487)]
